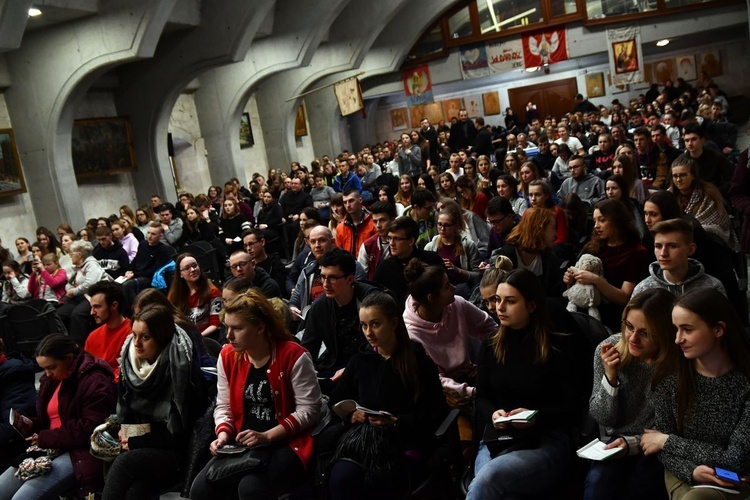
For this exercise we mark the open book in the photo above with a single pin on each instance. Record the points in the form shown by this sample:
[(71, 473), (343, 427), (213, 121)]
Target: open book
[(521, 417), (348, 406), (23, 425), (595, 451)]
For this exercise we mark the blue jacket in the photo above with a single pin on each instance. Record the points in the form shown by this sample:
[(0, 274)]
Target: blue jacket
[(351, 182)]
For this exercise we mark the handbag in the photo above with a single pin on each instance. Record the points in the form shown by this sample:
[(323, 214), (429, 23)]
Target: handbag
[(105, 443), (234, 463)]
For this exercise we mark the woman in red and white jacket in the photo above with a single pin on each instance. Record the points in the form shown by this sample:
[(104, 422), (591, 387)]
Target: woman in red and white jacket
[(268, 395)]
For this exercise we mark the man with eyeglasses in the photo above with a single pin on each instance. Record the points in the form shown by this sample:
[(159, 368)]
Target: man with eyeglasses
[(402, 239), (502, 220), (588, 187), (255, 246), (309, 286), (243, 266), (333, 319), (421, 210)]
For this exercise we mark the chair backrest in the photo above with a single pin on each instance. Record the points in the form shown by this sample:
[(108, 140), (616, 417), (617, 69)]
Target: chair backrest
[(26, 324), (212, 347), (592, 328)]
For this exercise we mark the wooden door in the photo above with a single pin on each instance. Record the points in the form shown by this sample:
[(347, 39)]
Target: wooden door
[(551, 98)]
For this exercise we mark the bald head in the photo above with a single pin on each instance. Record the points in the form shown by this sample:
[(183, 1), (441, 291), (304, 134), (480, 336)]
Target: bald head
[(321, 240)]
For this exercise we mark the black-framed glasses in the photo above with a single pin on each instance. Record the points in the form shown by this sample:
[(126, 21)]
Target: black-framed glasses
[(240, 265), (445, 225), (331, 279), (396, 238), (497, 222)]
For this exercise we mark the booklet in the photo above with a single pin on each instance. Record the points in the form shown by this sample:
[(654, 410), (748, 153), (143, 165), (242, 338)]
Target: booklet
[(348, 406), (595, 451), (716, 487), (522, 417), (23, 425)]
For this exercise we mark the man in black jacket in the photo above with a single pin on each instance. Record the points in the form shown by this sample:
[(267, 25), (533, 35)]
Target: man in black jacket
[(255, 246), (151, 256), (463, 132), (483, 140), (243, 266), (333, 319), (429, 133), (110, 254)]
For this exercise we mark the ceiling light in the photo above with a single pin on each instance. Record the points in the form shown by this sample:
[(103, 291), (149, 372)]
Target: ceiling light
[(662, 43), (33, 12)]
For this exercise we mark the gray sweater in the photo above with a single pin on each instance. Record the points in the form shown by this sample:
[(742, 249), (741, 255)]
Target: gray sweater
[(627, 409), (590, 188), (716, 433), (696, 278)]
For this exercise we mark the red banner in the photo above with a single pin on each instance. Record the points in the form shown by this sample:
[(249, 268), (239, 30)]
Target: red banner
[(417, 85), (548, 47)]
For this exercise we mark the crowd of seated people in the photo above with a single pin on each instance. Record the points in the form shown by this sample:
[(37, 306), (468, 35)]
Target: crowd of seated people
[(351, 305)]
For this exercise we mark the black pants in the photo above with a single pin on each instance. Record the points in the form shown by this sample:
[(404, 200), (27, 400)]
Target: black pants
[(283, 473), (142, 473), (76, 315)]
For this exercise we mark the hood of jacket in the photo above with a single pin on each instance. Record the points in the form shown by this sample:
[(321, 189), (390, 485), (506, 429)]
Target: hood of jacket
[(695, 273)]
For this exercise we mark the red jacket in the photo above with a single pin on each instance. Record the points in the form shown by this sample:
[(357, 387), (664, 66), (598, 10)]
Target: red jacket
[(350, 237), (294, 384), (374, 253)]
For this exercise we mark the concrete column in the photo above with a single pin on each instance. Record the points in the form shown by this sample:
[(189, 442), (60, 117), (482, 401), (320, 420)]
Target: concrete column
[(150, 88), (13, 17), (50, 73), (349, 42), (225, 91)]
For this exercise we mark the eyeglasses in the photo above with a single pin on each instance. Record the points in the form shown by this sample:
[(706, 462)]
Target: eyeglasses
[(331, 279), (396, 238), (444, 225), (497, 222), (679, 176), (490, 302), (251, 243), (191, 267), (630, 329), (240, 265)]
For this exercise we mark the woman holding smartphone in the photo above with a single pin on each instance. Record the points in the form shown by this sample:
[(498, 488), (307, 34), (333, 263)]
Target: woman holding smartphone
[(703, 411), (627, 366)]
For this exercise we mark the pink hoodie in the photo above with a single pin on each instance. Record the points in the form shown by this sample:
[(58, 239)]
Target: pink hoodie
[(447, 342)]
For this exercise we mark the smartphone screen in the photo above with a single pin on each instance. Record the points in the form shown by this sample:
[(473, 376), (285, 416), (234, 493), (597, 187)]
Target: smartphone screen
[(727, 475)]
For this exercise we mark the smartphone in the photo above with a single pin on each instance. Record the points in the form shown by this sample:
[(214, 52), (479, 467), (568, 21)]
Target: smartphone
[(727, 475)]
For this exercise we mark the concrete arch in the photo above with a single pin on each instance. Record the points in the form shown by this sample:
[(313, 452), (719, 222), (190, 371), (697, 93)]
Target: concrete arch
[(52, 71), (346, 49), (150, 88), (225, 91)]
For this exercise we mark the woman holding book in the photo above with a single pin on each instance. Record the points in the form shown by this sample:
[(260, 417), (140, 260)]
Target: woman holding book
[(76, 393), (627, 367), (160, 396), (526, 366), (702, 412), (395, 376)]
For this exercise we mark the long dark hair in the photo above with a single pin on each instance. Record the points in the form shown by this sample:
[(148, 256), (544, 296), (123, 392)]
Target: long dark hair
[(57, 346), (179, 291), (713, 308), (669, 207), (622, 222), (529, 286), (403, 358)]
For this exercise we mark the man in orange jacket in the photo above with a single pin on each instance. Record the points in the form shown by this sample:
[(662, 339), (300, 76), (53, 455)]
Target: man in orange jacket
[(357, 226)]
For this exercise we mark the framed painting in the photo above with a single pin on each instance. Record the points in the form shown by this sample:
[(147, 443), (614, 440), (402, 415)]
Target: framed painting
[(398, 119), (595, 85), (474, 105), (11, 176), (686, 67), (491, 101), (102, 146), (246, 132), (416, 113), (300, 123), (710, 63), (625, 56), (615, 89), (433, 112), (451, 107)]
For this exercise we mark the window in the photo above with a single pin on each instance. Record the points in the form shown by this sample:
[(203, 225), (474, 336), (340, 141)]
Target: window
[(604, 9), (459, 24), (429, 46), (563, 8), (499, 15)]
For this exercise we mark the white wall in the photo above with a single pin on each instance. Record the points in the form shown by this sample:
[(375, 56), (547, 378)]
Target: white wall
[(254, 159), (305, 152), (16, 213), (190, 160)]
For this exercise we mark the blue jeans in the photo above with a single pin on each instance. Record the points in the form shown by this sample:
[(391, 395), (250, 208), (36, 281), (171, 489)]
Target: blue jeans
[(47, 487), (521, 473)]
